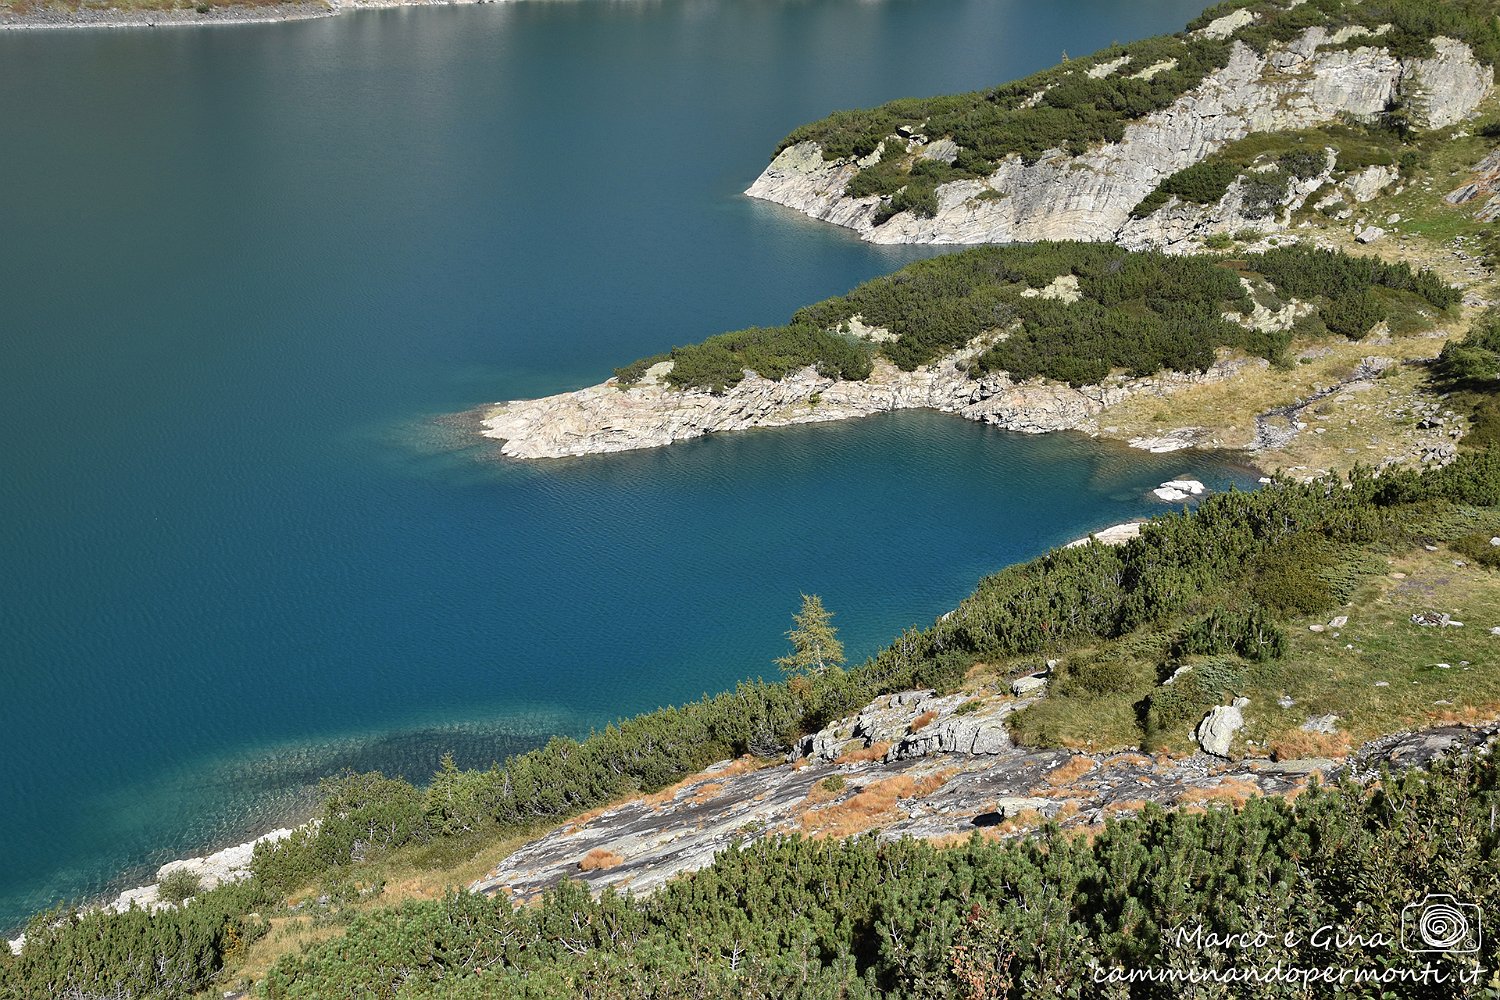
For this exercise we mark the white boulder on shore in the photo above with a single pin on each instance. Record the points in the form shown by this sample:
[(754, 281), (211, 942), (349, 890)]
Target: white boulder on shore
[(1115, 534), (651, 413)]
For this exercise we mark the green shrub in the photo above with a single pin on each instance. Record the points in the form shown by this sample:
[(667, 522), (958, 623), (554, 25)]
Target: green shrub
[(1203, 183), (632, 373), (1476, 547), (1252, 634), (833, 783), (1203, 685), (1354, 314), (178, 886), (1287, 576)]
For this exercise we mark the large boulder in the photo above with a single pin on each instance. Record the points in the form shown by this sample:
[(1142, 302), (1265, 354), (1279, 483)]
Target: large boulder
[(1216, 732)]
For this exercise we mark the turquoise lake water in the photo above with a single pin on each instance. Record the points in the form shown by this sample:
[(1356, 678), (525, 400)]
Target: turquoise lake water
[(244, 269)]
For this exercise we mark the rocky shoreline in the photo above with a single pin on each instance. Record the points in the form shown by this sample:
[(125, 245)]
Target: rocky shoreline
[(294, 10), (232, 864), (611, 417)]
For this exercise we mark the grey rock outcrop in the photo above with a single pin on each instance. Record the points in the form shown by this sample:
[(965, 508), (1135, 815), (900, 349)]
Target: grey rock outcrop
[(949, 796), (889, 722), (1300, 84), (649, 414), (1216, 732)]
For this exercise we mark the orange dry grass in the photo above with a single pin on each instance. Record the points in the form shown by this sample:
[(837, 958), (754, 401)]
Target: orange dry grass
[(738, 766), (1126, 806), (942, 840), (874, 751), (1294, 744), (416, 887), (1466, 714), (1070, 772), (1026, 819), (1128, 760), (820, 793), (707, 791), (869, 807), (599, 859), (979, 670), (924, 719), (1231, 791)]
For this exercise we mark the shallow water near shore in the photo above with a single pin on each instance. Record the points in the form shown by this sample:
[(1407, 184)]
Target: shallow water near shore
[(247, 269)]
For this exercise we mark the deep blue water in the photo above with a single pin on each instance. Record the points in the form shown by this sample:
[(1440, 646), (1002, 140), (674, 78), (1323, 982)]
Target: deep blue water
[(243, 269)]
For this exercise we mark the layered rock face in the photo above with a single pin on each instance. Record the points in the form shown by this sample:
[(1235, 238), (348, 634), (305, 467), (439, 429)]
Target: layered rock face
[(610, 418), (1090, 197)]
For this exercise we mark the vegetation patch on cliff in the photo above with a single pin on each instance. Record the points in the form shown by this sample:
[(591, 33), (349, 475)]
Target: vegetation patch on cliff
[(1083, 103), (1065, 107), (1136, 312)]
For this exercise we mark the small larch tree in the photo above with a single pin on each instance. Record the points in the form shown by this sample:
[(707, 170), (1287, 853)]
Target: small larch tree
[(815, 642)]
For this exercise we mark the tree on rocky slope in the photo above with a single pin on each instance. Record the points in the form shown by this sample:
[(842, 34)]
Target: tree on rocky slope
[(815, 643)]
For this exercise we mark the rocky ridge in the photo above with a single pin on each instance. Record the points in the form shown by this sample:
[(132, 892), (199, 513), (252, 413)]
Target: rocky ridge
[(1301, 84), (610, 417), (925, 766)]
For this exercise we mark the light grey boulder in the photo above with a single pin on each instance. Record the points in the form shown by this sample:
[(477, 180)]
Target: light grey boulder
[(1028, 685), (1321, 724), (1217, 730)]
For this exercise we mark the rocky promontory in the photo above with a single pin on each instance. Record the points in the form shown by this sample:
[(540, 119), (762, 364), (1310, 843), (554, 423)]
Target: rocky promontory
[(1315, 79), (613, 417)]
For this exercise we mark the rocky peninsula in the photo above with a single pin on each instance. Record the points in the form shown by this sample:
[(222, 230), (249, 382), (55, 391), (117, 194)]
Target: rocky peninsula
[(611, 417)]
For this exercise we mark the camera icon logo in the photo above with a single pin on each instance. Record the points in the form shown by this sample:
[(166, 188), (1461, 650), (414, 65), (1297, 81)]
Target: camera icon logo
[(1441, 923)]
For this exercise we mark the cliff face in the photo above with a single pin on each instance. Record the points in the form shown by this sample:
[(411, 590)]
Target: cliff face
[(1060, 197), (610, 418)]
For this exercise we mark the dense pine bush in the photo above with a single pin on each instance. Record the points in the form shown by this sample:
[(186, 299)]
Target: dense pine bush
[(1140, 313)]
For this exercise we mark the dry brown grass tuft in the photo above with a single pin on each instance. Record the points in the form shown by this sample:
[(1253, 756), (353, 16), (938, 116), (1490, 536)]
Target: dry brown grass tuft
[(820, 792), (1070, 772), (870, 806), (1026, 819), (666, 796), (925, 719), (707, 791), (1128, 760), (599, 859), (1231, 791), (875, 751), (979, 670), (1466, 714), (1294, 744)]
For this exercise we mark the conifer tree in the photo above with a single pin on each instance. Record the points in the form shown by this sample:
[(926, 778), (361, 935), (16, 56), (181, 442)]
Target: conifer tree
[(815, 643)]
